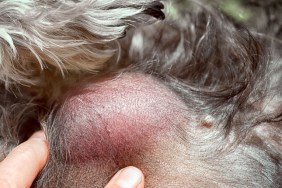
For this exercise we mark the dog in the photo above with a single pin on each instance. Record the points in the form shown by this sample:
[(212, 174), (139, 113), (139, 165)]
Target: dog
[(193, 101)]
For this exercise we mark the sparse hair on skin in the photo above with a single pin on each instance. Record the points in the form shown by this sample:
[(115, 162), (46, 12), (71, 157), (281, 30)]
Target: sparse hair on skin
[(228, 77)]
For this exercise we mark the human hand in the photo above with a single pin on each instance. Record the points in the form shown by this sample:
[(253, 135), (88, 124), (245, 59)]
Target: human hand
[(22, 165), (129, 177)]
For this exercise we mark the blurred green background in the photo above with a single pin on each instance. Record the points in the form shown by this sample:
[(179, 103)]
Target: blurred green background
[(233, 8), (260, 15)]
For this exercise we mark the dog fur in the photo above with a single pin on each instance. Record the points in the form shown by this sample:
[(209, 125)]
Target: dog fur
[(227, 75)]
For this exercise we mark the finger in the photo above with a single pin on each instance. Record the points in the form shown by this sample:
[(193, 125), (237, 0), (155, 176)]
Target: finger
[(129, 177), (22, 165)]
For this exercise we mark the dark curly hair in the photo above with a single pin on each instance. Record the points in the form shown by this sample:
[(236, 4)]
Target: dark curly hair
[(229, 77)]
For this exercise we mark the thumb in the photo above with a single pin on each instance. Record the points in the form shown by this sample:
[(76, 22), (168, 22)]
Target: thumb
[(129, 177)]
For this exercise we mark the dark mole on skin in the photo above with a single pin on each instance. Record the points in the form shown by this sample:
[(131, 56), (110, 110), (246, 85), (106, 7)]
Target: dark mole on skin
[(206, 124)]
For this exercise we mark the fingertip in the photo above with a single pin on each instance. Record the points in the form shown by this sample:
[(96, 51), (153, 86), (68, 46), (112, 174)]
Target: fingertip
[(34, 153), (39, 135), (38, 141), (129, 177)]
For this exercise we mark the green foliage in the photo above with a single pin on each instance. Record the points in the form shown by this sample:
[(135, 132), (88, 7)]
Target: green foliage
[(233, 8), (236, 10)]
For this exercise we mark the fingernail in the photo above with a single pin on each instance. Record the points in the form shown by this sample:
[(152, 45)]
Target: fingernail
[(39, 135), (129, 177)]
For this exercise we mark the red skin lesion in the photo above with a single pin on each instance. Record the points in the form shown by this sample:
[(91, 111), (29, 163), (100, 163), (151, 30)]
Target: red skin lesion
[(119, 117)]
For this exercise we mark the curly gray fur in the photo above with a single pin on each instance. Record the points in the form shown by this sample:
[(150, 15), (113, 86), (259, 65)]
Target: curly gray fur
[(230, 77)]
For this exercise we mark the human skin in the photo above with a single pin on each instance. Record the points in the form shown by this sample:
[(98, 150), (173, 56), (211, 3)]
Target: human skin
[(22, 165), (192, 101)]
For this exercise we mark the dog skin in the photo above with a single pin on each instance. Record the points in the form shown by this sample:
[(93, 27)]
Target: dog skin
[(193, 101)]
